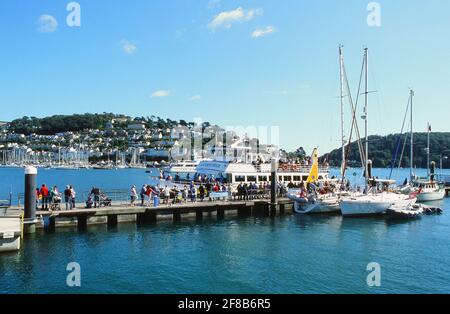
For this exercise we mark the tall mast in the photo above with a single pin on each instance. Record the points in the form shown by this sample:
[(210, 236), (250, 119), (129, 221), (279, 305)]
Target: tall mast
[(341, 64), (411, 135), (428, 148), (366, 59)]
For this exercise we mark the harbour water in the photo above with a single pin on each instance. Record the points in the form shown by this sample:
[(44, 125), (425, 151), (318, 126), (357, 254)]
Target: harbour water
[(291, 254)]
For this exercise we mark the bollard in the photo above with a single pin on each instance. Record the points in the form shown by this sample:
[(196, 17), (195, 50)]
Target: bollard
[(273, 185), (30, 200)]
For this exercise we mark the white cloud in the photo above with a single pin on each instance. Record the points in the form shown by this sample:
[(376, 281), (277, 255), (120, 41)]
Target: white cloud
[(47, 24), (227, 18), (263, 31), (195, 98), (160, 93), (128, 47)]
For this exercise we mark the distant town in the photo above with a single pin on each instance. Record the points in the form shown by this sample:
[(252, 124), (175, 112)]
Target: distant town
[(107, 140)]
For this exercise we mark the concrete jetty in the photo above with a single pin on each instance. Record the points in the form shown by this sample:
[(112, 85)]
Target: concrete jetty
[(116, 213)]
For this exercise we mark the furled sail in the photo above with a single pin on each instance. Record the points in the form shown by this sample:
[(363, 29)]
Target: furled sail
[(314, 172)]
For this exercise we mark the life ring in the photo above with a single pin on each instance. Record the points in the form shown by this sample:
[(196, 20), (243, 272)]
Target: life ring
[(284, 167)]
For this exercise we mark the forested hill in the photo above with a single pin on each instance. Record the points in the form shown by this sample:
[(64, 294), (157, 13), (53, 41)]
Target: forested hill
[(382, 149), (79, 122)]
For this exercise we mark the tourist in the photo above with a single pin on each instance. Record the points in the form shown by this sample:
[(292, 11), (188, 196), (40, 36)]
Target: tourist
[(193, 194), (67, 197), (55, 198), (185, 193), (96, 193), (45, 196), (166, 193), (73, 195), (142, 194), (201, 191), (133, 195)]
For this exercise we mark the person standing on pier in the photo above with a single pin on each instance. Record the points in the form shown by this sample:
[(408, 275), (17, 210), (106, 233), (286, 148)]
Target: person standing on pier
[(96, 193), (133, 195), (44, 192), (142, 194), (67, 197), (73, 195)]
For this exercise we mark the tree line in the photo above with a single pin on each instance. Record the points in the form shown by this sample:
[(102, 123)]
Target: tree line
[(382, 149)]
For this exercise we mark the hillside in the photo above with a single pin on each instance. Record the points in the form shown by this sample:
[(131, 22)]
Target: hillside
[(382, 149)]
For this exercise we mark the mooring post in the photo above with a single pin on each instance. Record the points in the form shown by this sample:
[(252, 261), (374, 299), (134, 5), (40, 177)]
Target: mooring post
[(111, 220), (176, 216), (273, 186), (220, 212), (30, 200), (82, 222)]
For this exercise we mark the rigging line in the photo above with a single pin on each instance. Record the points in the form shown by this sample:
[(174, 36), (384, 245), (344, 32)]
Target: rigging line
[(394, 158), (403, 150), (354, 122)]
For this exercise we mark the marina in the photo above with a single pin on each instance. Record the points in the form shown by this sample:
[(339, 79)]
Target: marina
[(224, 147)]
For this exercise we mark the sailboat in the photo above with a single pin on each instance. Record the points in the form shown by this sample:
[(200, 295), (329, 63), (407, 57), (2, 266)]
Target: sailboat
[(371, 202), (312, 203), (427, 189)]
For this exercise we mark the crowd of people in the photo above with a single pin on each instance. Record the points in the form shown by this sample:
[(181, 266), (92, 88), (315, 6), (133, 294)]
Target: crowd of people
[(51, 199), (149, 194)]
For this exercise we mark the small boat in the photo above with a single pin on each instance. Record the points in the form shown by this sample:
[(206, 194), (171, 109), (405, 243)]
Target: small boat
[(405, 212), (10, 233), (430, 210), (315, 204)]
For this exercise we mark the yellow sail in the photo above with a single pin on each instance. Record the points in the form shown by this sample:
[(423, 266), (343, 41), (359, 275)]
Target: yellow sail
[(314, 172)]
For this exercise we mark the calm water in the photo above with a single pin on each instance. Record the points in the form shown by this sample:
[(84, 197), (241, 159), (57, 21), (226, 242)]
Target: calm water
[(293, 254)]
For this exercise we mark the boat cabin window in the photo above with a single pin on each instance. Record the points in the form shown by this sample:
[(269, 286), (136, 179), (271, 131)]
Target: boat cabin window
[(305, 178), (239, 178), (287, 178), (280, 178), (297, 178), (262, 178), (251, 178)]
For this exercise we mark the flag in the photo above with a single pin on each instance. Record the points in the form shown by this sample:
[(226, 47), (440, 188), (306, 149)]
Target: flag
[(429, 127)]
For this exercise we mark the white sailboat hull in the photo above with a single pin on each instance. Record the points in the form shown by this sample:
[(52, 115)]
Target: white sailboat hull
[(429, 196), (368, 205), (315, 205)]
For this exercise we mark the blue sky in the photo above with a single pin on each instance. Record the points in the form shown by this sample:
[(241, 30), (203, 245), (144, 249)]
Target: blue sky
[(184, 59)]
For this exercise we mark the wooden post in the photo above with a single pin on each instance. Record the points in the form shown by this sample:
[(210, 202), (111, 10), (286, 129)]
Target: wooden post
[(176, 216), (199, 214), (111, 220), (51, 223), (220, 213), (282, 209), (82, 222)]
